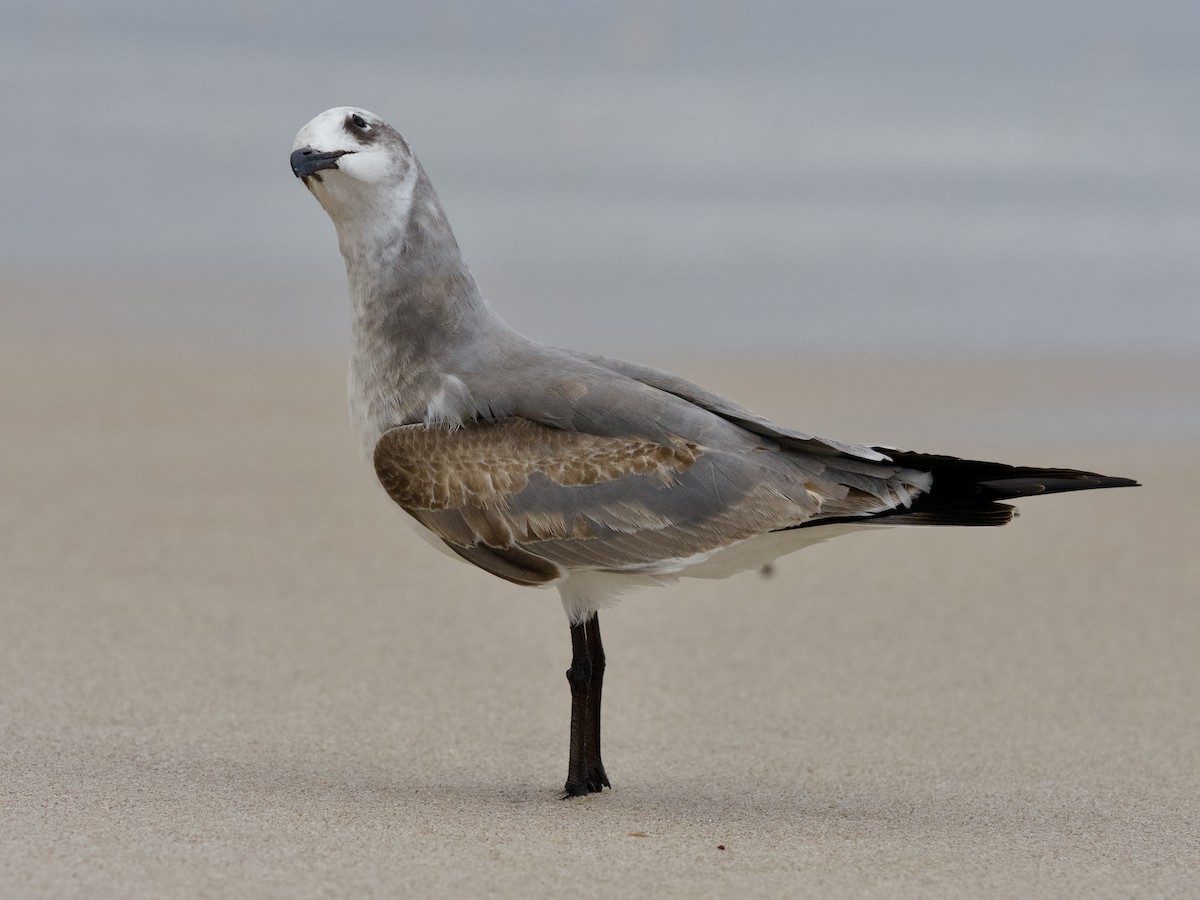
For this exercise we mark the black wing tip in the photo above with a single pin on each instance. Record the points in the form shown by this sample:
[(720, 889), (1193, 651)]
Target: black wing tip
[(1051, 481), (1110, 481), (1001, 480), (982, 514), (979, 513)]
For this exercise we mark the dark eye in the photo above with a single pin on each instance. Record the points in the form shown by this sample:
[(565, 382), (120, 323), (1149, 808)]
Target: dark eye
[(359, 122)]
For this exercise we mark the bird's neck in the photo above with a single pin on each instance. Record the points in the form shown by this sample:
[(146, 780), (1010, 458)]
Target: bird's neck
[(416, 314)]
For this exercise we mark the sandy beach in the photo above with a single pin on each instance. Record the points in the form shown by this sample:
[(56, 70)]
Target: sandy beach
[(229, 668)]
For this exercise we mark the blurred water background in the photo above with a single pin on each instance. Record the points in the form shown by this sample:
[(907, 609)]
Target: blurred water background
[(763, 177)]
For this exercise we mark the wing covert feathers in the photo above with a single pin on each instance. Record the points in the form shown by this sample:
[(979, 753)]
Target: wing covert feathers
[(528, 502), (489, 461)]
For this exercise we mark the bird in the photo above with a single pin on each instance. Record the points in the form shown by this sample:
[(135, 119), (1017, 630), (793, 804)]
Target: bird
[(553, 467)]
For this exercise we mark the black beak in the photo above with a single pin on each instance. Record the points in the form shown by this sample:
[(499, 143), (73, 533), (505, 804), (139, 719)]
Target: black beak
[(307, 161)]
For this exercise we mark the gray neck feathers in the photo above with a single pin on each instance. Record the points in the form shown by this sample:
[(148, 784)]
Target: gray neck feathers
[(418, 316)]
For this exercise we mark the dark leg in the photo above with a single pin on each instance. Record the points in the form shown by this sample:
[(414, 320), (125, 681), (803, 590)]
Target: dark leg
[(585, 771), (597, 779), (579, 676)]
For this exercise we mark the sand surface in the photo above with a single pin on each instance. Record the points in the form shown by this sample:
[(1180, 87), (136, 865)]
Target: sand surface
[(228, 667)]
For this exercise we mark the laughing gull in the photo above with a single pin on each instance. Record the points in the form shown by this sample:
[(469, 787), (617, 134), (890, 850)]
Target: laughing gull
[(549, 466)]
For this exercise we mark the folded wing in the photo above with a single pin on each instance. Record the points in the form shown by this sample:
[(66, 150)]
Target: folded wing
[(528, 502)]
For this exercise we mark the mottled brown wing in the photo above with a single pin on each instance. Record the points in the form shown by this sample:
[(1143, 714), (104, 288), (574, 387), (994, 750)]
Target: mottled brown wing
[(486, 463), (528, 502)]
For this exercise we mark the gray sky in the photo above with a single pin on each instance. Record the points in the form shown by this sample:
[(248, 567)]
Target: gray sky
[(924, 177)]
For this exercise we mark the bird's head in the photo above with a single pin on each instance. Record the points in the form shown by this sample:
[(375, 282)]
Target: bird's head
[(354, 162)]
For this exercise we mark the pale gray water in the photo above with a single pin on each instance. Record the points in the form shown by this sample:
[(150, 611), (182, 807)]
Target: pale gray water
[(777, 177)]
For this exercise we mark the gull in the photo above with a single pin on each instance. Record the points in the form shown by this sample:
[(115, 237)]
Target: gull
[(546, 466)]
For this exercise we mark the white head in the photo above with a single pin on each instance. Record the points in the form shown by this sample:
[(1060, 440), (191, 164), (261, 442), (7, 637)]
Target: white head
[(358, 167)]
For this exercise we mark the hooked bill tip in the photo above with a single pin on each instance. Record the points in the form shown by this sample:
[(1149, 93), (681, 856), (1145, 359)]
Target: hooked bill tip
[(307, 161)]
